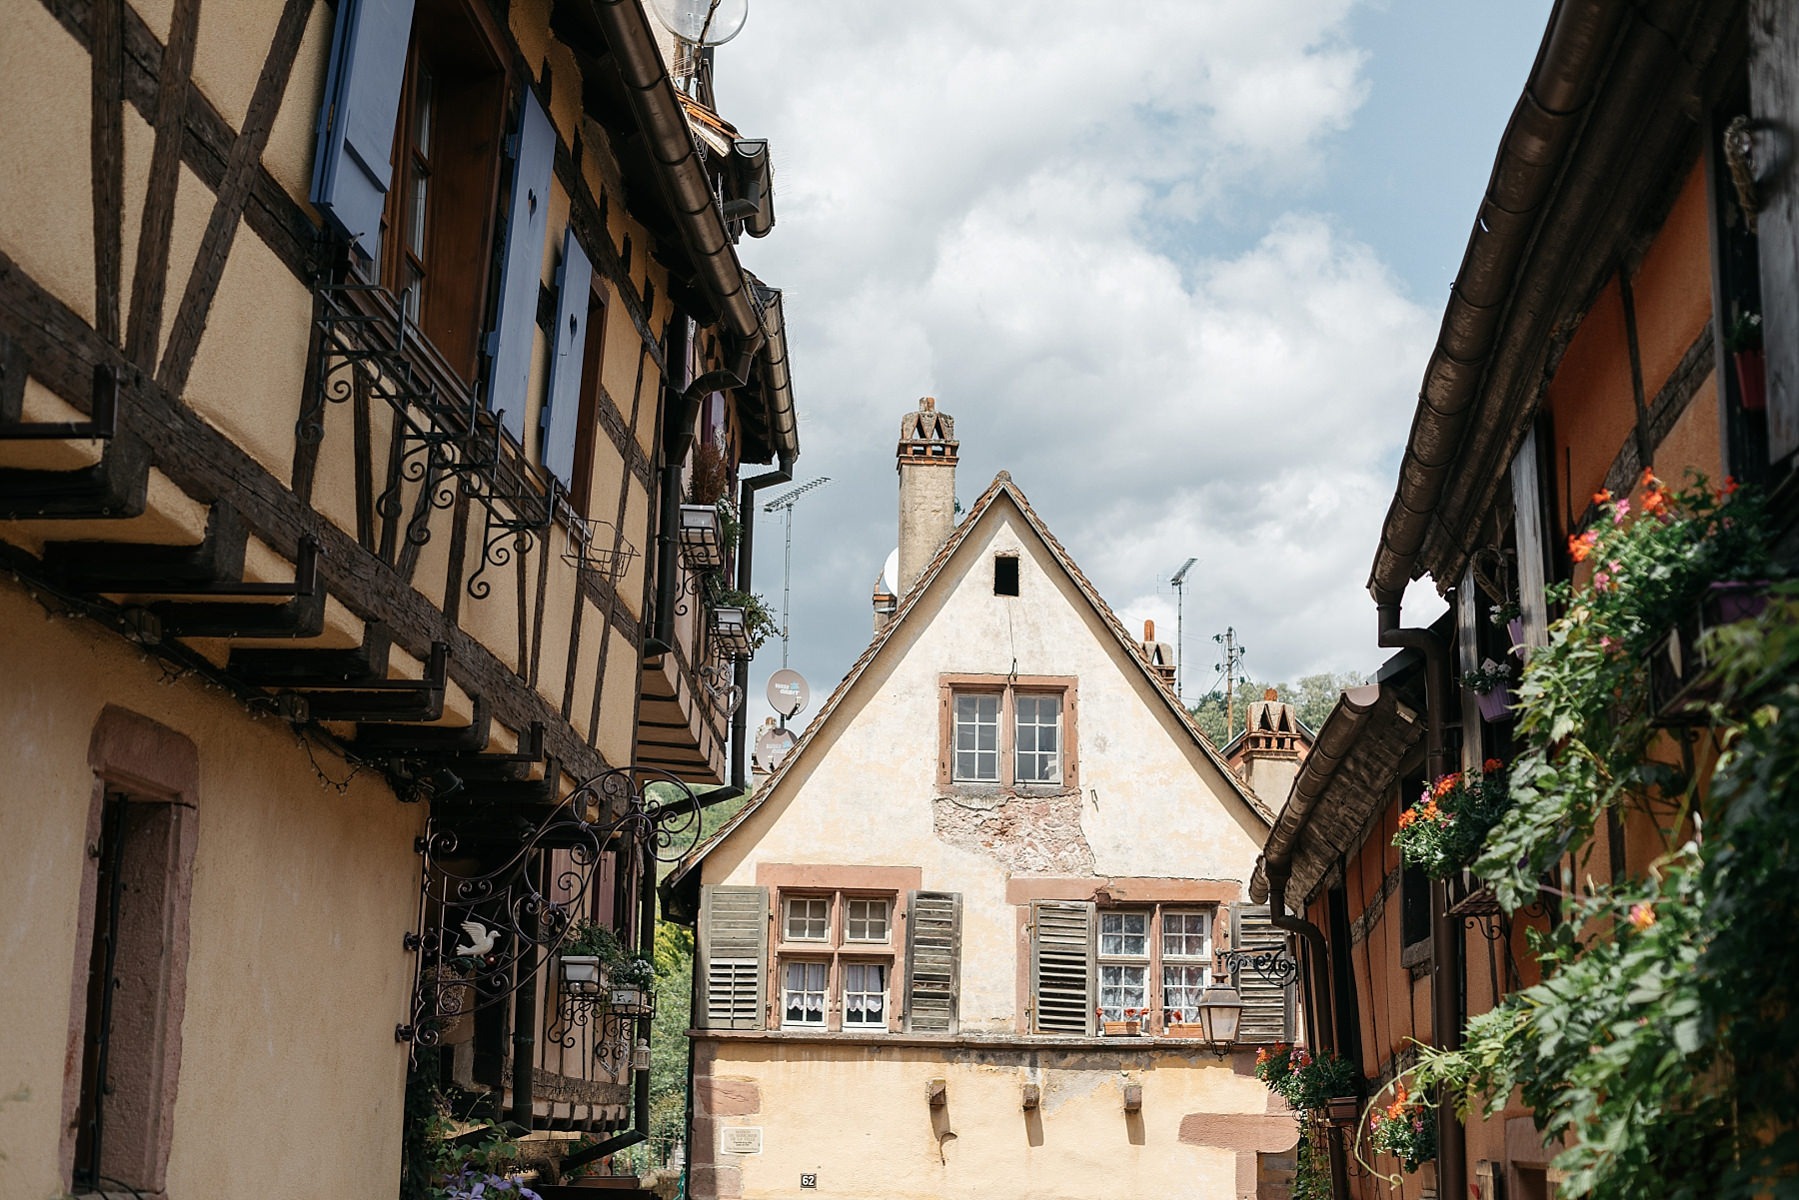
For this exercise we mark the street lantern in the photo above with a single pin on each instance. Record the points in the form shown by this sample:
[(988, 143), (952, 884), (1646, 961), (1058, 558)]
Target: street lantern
[(1220, 1009)]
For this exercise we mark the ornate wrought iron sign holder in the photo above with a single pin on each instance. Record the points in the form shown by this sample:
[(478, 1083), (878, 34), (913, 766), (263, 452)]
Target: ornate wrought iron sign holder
[(1277, 967), (485, 929)]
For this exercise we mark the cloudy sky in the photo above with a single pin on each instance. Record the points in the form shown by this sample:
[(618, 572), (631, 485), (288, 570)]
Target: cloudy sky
[(1177, 265)]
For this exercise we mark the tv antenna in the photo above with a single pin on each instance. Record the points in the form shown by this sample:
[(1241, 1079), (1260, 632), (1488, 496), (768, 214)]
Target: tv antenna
[(1233, 658), (1179, 582), (784, 505)]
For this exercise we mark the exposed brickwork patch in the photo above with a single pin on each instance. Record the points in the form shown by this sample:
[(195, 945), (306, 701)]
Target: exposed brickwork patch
[(1035, 834)]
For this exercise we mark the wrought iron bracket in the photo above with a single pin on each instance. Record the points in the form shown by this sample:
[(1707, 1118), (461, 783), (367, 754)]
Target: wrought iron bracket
[(1277, 968)]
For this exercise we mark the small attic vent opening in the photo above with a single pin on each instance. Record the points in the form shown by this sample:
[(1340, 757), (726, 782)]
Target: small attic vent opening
[(1005, 575)]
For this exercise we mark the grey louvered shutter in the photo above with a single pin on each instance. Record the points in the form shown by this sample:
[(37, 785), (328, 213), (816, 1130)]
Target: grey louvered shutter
[(1267, 1007), (533, 149), (568, 342), (933, 961), (1062, 966), (1527, 504), (352, 163), (731, 956)]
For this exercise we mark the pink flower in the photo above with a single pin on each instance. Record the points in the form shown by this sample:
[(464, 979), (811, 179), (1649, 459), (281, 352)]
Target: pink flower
[(1620, 511)]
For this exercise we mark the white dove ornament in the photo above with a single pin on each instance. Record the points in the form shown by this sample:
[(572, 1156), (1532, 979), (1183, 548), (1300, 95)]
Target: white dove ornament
[(481, 940)]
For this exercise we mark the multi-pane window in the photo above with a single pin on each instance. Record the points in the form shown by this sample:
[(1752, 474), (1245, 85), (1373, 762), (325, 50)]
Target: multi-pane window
[(804, 986), (822, 986), (1039, 739), (808, 918), (865, 920), (1186, 963), (1008, 731), (865, 994), (1123, 964), (977, 738)]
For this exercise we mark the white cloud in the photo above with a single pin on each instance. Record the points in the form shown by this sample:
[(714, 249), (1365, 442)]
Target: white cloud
[(1007, 207)]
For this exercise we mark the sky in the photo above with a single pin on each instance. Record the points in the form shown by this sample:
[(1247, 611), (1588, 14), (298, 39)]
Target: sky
[(1176, 265)]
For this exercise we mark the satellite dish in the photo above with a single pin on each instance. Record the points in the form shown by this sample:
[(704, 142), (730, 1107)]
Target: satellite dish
[(890, 571), (773, 746), (787, 692), (702, 22)]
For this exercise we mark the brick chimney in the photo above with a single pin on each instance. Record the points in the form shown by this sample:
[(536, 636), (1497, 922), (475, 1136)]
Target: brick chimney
[(927, 488), (1159, 655), (1268, 754)]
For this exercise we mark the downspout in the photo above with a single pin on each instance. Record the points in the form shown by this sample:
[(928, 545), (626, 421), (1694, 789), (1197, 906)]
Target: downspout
[(524, 1028), (1445, 932), (1318, 957), (746, 543), (640, 1084)]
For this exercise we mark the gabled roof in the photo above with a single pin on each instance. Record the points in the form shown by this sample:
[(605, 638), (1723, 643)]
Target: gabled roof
[(1002, 485)]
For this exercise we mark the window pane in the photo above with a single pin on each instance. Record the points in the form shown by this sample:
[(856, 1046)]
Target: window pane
[(865, 994), (808, 919), (1124, 934), (1122, 987), (1182, 988), (1186, 935), (977, 738), (866, 921), (1038, 725), (803, 993)]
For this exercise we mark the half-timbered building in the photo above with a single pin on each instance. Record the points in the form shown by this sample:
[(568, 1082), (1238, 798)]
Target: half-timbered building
[(371, 373)]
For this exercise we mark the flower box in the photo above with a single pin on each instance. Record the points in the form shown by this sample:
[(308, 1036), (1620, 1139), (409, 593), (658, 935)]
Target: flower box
[(1186, 1029), (1342, 1110), (1752, 378), (580, 973), (702, 546), (730, 632), (1121, 1028), (1679, 687), (1495, 705), (628, 999), (1514, 629)]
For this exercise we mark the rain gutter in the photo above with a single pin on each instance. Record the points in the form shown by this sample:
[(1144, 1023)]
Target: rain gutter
[(688, 190)]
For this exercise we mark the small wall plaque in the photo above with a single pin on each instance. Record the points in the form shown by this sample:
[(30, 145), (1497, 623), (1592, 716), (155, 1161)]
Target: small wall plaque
[(740, 1139), (808, 1181)]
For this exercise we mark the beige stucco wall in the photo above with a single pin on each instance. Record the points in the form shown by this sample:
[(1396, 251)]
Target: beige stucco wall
[(1151, 804), (858, 1117), (295, 975)]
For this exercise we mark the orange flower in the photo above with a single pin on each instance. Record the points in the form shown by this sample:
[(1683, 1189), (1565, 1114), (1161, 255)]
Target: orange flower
[(1655, 502), (1647, 477), (1447, 784), (1492, 765), (1730, 485), (1602, 496), (1582, 545), (1642, 915)]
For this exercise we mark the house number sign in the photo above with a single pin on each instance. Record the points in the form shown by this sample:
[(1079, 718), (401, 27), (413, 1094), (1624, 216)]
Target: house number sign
[(808, 1181)]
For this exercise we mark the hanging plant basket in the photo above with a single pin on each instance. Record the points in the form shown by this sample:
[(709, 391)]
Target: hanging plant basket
[(1495, 705), (702, 540), (628, 999), (730, 632), (581, 974), (1343, 1110), (1752, 378)]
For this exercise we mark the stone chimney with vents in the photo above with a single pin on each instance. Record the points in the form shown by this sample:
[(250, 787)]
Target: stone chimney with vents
[(1267, 754), (1159, 655), (927, 488)]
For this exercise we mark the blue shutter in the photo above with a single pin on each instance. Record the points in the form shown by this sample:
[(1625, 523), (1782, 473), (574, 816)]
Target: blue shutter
[(353, 161), (509, 344), (562, 405)]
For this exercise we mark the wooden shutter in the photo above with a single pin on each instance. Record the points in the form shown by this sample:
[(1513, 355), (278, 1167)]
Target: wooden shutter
[(1468, 617), (353, 160), (533, 151), (1062, 966), (1774, 103), (562, 403), (732, 956), (1267, 1009), (933, 960)]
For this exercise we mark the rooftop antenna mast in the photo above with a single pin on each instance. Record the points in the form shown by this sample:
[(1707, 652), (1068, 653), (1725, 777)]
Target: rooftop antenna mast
[(698, 25), (784, 505), (1233, 658), (1179, 582)]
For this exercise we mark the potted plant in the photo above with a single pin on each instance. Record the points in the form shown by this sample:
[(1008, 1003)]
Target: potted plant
[(630, 985), (1491, 684), (1176, 1025), (1511, 617), (1130, 1026), (1744, 341), (586, 954), (1406, 1130), (701, 535), (741, 622), (1444, 831)]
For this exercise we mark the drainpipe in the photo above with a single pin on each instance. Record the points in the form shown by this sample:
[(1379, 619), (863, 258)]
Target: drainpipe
[(524, 1027), (1445, 932), (746, 542), (1318, 957), (640, 1083)]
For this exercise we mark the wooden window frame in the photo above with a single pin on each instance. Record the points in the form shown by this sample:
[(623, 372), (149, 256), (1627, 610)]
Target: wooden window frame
[(1008, 687), (836, 951), (1147, 960), (1164, 959), (466, 53)]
